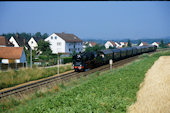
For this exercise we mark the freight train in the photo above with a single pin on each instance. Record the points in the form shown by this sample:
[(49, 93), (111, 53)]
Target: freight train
[(89, 60)]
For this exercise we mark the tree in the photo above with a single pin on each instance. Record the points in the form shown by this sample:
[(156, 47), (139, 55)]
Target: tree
[(8, 35), (27, 36), (44, 47), (129, 44), (162, 44), (27, 53), (110, 47), (45, 35), (23, 34), (97, 47), (139, 42), (37, 34), (74, 52)]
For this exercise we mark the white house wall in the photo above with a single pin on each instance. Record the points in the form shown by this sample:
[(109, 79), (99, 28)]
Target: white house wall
[(155, 44), (141, 44), (54, 47), (32, 43), (5, 61), (64, 47), (84, 47), (122, 44), (17, 61), (13, 41), (117, 45), (108, 44)]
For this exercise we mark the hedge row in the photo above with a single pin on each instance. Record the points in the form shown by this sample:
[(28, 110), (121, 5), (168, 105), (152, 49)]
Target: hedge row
[(67, 60)]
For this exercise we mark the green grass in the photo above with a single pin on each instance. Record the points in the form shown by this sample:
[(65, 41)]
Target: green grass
[(112, 91), (13, 77)]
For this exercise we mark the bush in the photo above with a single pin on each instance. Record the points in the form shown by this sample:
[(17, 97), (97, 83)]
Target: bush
[(67, 60), (145, 55), (43, 57)]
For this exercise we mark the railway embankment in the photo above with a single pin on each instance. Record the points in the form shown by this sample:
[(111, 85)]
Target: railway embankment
[(12, 77), (154, 93), (109, 91)]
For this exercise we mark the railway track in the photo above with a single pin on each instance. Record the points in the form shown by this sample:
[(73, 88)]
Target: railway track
[(64, 77)]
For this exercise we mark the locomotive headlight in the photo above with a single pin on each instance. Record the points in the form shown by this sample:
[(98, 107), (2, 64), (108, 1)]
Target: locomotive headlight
[(80, 67)]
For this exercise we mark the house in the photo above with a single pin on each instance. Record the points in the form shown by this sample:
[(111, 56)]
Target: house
[(4, 42), (143, 44), (117, 44), (110, 44), (64, 43), (84, 46), (91, 44), (123, 44), (33, 42), (168, 44), (88, 44), (18, 41), (12, 55), (134, 44), (156, 44)]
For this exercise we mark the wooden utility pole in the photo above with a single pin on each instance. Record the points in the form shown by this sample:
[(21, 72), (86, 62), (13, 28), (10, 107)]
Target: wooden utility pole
[(58, 62), (30, 57)]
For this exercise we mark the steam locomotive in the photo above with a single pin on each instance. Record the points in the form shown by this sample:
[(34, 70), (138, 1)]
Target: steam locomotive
[(90, 60)]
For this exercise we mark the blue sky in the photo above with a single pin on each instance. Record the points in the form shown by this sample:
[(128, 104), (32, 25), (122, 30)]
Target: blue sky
[(95, 20)]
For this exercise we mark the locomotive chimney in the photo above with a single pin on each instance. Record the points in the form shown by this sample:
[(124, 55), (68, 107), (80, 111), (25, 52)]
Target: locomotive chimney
[(24, 40), (17, 35)]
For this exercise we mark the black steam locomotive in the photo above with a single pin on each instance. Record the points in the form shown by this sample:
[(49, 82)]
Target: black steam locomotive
[(89, 60)]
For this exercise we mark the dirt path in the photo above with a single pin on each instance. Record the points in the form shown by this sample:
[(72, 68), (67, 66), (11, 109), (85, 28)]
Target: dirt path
[(154, 93)]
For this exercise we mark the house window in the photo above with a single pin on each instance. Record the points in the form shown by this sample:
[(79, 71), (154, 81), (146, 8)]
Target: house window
[(58, 43), (78, 49), (69, 49), (51, 37), (32, 42), (55, 37)]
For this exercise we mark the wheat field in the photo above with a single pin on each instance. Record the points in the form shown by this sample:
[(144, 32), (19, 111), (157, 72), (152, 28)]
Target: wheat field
[(154, 93)]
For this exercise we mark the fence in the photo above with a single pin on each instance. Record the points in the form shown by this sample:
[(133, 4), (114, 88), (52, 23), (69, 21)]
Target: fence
[(12, 66)]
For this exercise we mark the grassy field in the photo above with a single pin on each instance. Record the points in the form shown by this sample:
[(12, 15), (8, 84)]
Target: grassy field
[(110, 91), (13, 77)]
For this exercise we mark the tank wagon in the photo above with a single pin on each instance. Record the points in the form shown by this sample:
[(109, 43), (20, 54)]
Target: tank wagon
[(89, 60)]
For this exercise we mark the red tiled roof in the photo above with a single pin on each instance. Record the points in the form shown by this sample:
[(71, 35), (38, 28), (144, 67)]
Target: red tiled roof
[(144, 43), (113, 43), (4, 41), (92, 43), (11, 52), (158, 42), (69, 37)]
